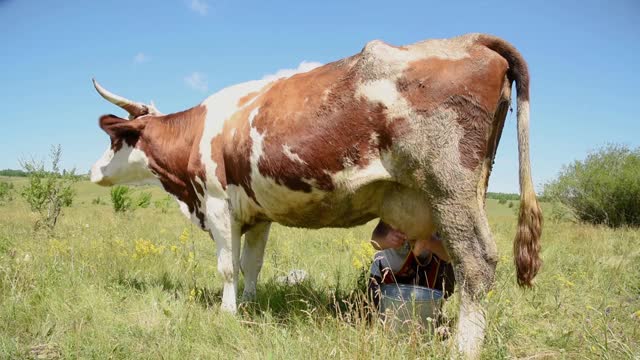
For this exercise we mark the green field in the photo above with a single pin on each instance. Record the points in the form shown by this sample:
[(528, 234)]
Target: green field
[(145, 285)]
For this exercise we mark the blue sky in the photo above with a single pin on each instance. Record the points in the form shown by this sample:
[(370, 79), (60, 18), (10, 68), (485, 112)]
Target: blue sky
[(584, 59)]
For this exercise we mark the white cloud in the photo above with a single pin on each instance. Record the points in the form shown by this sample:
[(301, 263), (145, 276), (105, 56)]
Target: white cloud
[(141, 58), (197, 81), (199, 6), (303, 67)]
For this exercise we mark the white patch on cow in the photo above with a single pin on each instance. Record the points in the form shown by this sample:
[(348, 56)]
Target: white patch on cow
[(384, 91), (184, 209), (199, 181), (354, 177), (243, 207), (325, 95), (292, 156), (233, 133), (256, 148), (374, 140), (129, 165), (253, 115)]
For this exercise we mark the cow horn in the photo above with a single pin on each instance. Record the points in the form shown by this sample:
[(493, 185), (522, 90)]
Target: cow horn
[(133, 108)]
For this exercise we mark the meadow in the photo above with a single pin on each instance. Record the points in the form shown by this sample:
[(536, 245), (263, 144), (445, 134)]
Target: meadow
[(144, 285)]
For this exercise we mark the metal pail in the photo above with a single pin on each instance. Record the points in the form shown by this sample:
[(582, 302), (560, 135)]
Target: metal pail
[(401, 304)]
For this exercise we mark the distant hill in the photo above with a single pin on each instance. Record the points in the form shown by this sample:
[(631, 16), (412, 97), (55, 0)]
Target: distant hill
[(503, 196), (22, 173), (12, 172)]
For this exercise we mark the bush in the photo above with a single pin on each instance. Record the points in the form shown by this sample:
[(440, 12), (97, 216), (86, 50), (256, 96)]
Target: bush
[(6, 192), (602, 189), (48, 191), (121, 199), (163, 204), (144, 200)]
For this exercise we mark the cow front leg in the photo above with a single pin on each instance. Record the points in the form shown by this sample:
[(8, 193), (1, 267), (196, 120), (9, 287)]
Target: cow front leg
[(226, 233), (255, 241), (465, 231)]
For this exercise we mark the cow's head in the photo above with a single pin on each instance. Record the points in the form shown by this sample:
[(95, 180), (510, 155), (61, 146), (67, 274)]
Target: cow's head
[(125, 161)]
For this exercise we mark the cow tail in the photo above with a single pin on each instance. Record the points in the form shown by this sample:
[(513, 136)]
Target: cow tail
[(526, 247)]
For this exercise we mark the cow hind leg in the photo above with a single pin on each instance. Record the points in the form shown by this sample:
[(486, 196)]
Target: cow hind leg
[(255, 241), (465, 230)]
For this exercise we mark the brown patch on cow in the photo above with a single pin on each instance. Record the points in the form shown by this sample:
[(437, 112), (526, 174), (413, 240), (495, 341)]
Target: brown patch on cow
[(121, 131), (245, 99), (328, 133), (317, 115), (176, 159), (236, 150), (470, 86), (217, 157)]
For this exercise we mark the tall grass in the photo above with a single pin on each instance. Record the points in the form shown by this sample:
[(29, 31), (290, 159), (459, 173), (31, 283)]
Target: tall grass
[(146, 286)]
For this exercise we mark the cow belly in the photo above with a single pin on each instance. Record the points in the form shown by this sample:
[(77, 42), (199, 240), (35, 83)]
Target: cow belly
[(317, 209), (401, 207), (359, 195)]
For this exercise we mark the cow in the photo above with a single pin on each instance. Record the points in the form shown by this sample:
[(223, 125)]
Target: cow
[(407, 134)]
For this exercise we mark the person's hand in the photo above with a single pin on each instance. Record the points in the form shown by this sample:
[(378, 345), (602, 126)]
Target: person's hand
[(393, 240)]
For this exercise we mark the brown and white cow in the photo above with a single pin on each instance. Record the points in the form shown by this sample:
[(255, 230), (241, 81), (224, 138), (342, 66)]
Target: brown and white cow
[(407, 134)]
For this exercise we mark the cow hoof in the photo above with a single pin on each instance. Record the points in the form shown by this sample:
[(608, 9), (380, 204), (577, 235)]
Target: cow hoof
[(249, 296), (229, 308)]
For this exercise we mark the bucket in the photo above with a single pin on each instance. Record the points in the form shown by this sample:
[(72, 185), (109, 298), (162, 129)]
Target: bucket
[(402, 305)]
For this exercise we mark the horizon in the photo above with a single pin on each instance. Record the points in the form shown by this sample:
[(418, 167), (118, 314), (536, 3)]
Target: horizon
[(580, 59)]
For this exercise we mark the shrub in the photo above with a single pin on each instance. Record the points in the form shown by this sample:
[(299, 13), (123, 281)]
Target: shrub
[(121, 198), (48, 191), (144, 200), (6, 192), (602, 189), (163, 204)]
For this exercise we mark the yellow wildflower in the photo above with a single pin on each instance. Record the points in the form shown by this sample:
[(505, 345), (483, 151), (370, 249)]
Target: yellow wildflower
[(146, 248), (490, 294), (58, 247), (362, 254), (184, 237)]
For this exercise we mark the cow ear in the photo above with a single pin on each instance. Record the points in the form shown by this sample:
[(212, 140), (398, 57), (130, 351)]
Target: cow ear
[(117, 127)]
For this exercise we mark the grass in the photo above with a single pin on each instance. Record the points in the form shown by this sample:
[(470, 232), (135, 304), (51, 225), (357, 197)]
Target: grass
[(145, 285)]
